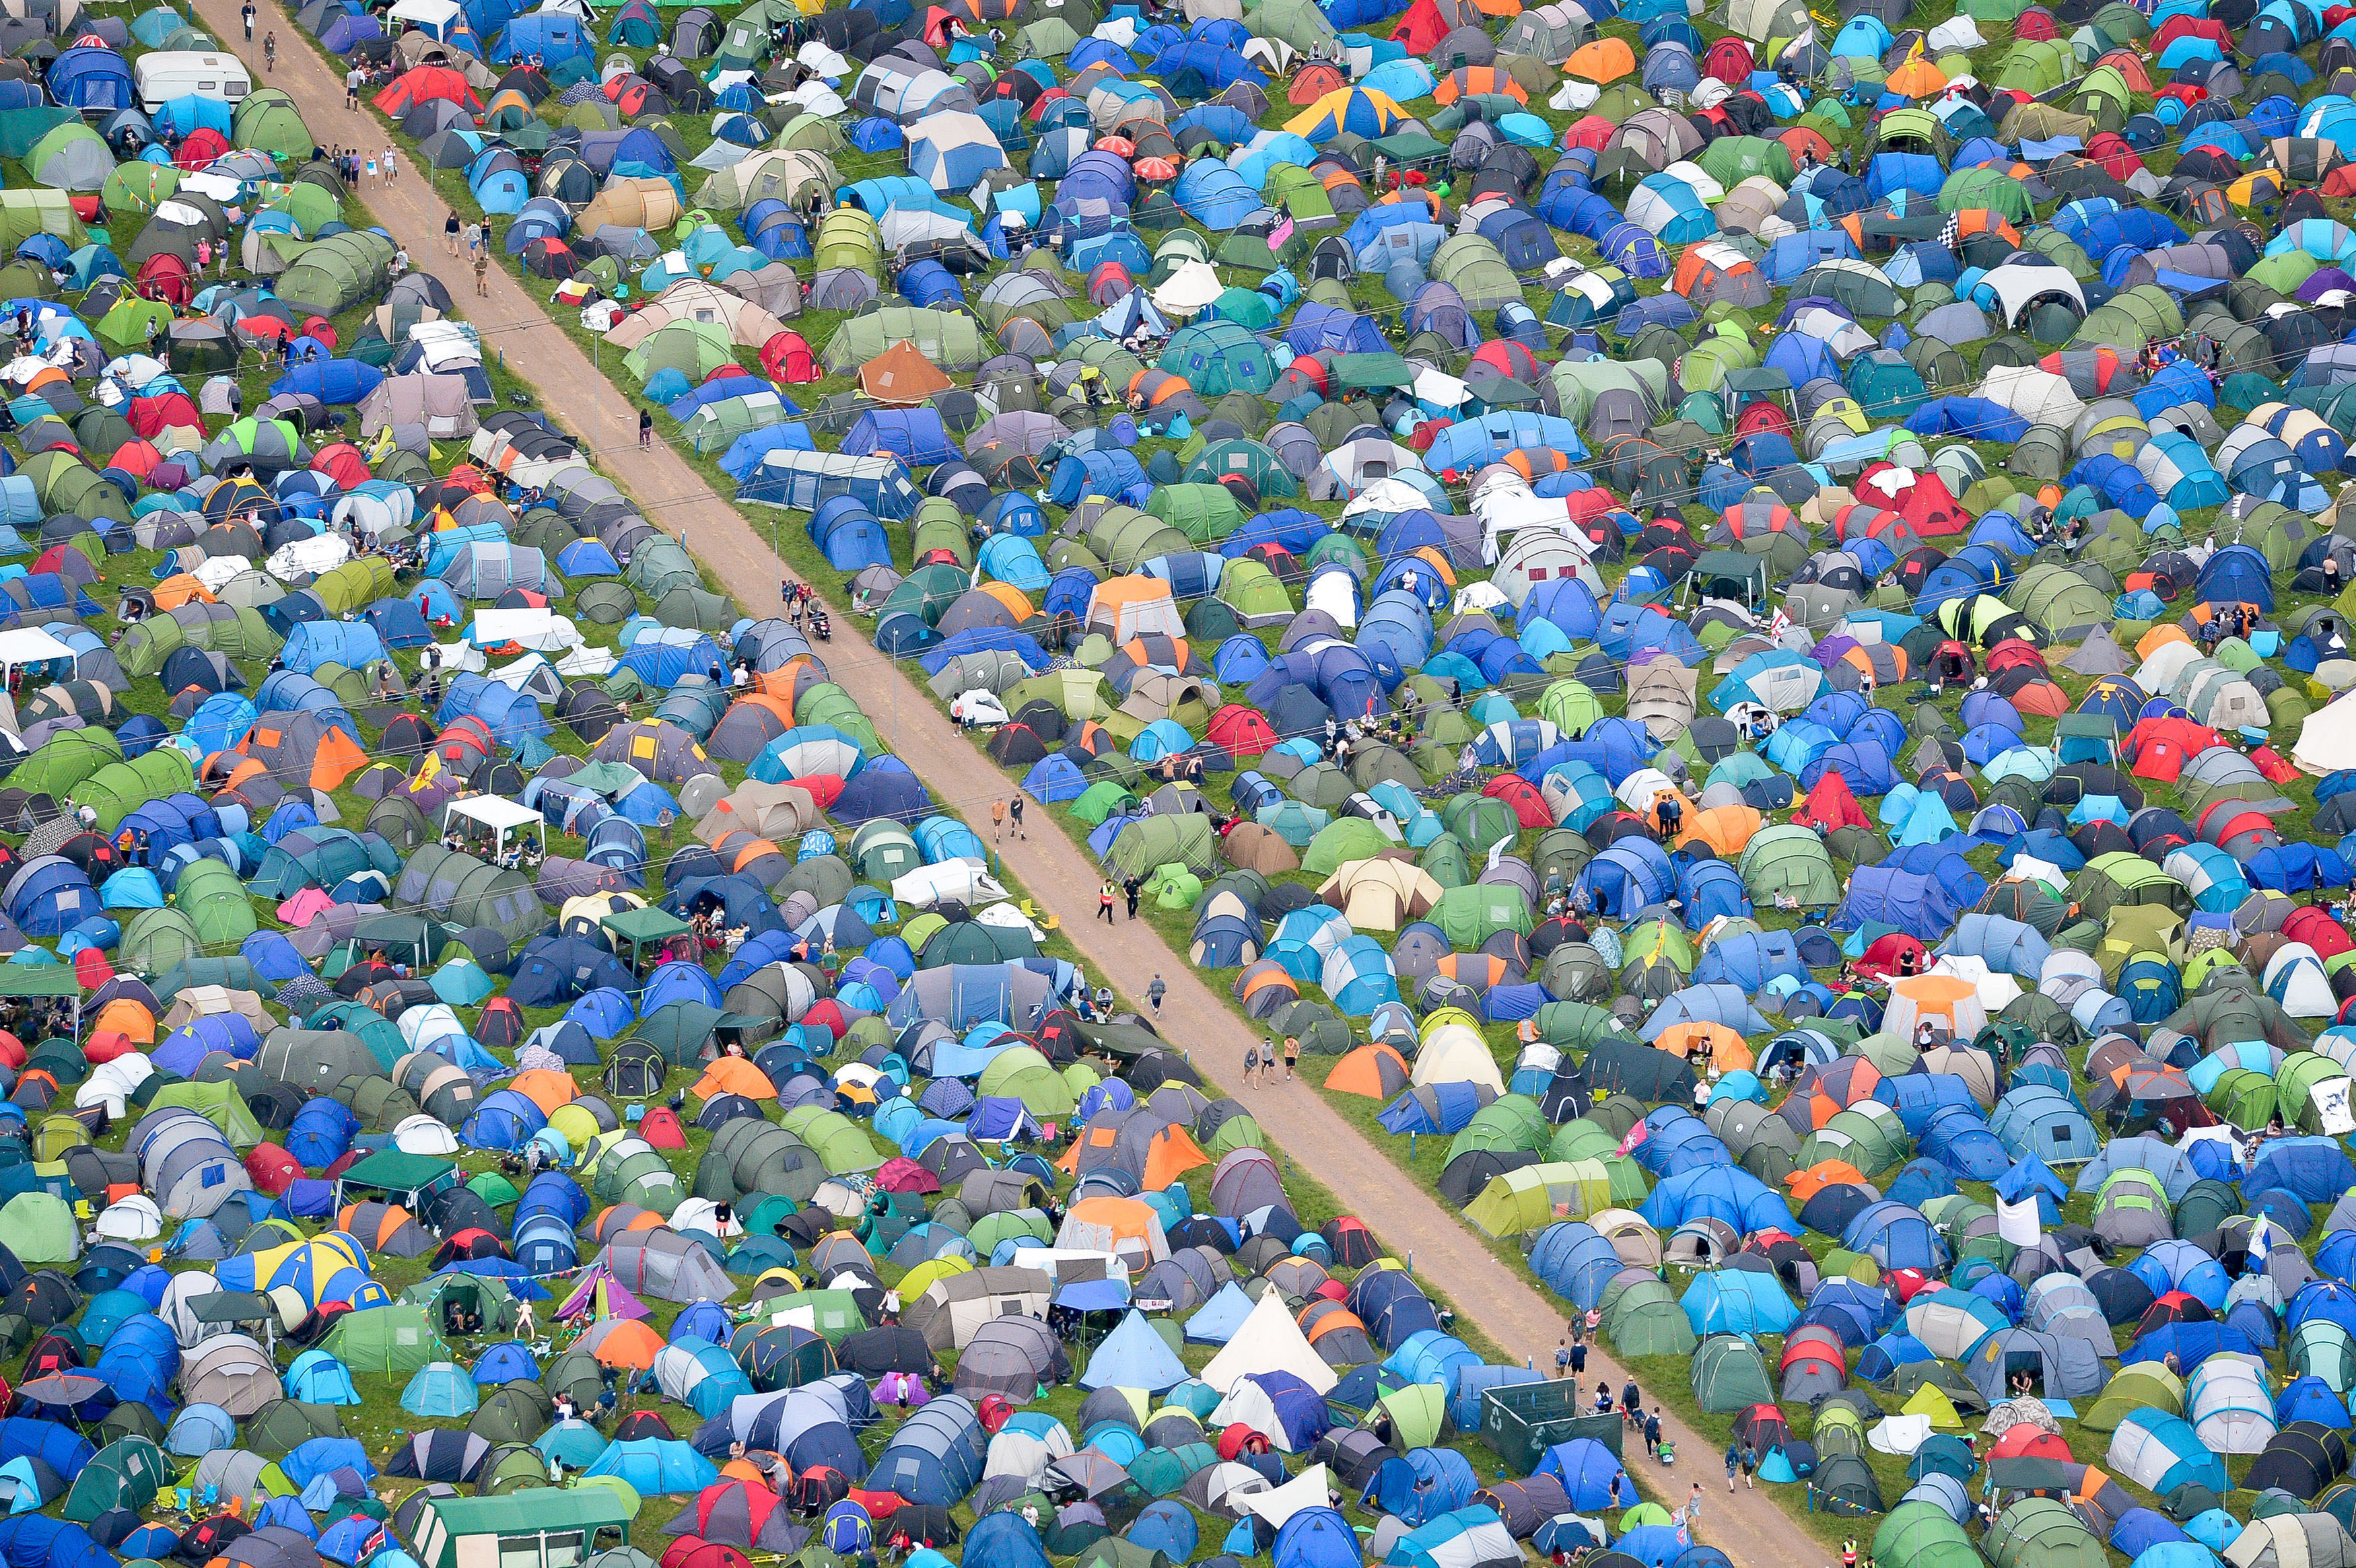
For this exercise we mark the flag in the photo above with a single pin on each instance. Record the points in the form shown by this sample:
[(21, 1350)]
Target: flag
[(2259, 1245), (1778, 627), (1278, 234)]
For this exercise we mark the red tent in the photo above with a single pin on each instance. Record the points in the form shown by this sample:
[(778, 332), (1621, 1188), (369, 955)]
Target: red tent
[(1831, 806)]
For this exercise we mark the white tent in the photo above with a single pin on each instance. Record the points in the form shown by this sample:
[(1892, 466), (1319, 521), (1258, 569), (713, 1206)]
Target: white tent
[(1305, 1490), (1457, 1055), (1269, 1341)]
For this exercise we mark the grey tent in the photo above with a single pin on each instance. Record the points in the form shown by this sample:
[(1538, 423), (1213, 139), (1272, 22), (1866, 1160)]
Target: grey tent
[(668, 1265)]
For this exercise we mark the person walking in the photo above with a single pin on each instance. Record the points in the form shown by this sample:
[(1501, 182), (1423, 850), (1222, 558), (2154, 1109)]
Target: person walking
[(1014, 815), (1652, 1432), (1750, 1467), (450, 232), (270, 52), (483, 279), (645, 429), (1131, 890), (352, 79), (247, 16), (1577, 1357), (1693, 1506), (997, 821), (1154, 993), (1291, 1055), (1734, 1462), (1104, 903)]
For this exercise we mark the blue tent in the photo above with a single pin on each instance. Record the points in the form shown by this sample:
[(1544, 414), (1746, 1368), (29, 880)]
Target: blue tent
[(656, 1465), (1738, 1301), (1134, 1356)]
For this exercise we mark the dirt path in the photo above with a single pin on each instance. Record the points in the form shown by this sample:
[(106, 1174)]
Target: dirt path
[(1749, 1526)]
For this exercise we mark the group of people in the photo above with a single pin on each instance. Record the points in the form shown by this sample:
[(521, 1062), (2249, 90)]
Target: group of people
[(356, 168), (1260, 1061)]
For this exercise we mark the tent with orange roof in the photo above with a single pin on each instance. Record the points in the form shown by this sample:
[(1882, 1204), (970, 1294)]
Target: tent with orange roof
[(734, 1075)]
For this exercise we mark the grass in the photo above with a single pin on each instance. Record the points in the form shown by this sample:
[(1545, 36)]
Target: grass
[(1421, 1159)]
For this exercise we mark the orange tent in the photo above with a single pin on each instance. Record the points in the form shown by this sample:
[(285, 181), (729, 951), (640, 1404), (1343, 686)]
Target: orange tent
[(627, 1342), (127, 1018), (180, 589), (1170, 1153), (1725, 1047), (1917, 77), (734, 1075), (546, 1088), (901, 377), (1376, 1070), (1478, 79), (1807, 1184), (1605, 61), (1725, 828)]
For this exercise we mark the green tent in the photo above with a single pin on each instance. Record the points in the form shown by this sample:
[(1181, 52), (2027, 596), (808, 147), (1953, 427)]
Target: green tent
[(1153, 841), (695, 348), (950, 339), (1205, 514), (836, 1140), (1469, 914), (390, 1341), (40, 1229), (337, 272), (1418, 1414), (1789, 861), (1024, 1074), (158, 938), (218, 1103), (216, 903), (25, 213), (1341, 841), (267, 121), (67, 758), (1645, 1319), (125, 325), (126, 1474), (2042, 1532), (1730, 1374)]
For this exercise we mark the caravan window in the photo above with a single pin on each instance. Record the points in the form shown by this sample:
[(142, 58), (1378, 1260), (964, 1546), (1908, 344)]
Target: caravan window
[(520, 1551), (563, 1551)]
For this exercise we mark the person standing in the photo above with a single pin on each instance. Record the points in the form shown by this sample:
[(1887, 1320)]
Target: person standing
[(997, 821), (1652, 1432), (483, 273), (1104, 903), (1131, 890), (1014, 816), (1291, 1055), (247, 16), (450, 232), (352, 79), (645, 429)]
